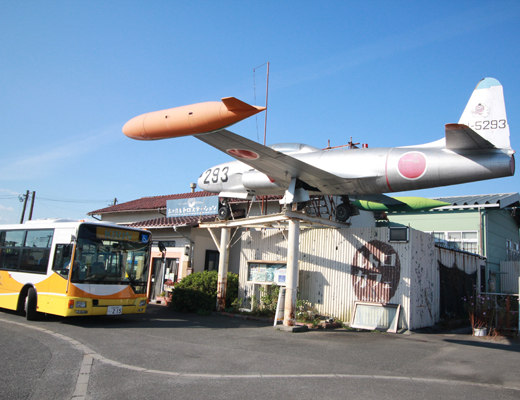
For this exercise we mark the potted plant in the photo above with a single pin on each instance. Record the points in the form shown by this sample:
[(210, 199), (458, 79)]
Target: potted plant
[(479, 312)]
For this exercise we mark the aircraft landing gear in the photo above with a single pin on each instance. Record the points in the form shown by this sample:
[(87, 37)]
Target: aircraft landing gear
[(301, 205), (224, 211), (345, 210)]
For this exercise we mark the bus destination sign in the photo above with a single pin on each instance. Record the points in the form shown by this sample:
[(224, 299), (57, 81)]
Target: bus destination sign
[(117, 234)]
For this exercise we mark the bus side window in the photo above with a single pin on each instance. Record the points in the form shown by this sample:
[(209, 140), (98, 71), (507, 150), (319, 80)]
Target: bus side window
[(62, 257)]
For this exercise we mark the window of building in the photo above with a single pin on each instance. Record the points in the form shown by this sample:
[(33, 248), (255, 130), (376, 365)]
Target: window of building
[(211, 262), (458, 240), (512, 251)]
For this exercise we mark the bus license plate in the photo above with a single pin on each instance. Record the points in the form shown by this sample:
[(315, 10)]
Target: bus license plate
[(115, 310)]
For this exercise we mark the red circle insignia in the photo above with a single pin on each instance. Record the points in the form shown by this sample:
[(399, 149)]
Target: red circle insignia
[(241, 153), (412, 165)]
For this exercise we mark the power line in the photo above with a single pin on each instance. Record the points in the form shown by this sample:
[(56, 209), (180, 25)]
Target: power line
[(9, 197), (73, 200)]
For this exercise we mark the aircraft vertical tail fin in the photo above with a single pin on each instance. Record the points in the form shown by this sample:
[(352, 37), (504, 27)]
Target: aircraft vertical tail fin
[(485, 113)]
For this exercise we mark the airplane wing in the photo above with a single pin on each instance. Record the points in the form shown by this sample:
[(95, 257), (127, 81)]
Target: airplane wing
[(462, 137), (280, 167)]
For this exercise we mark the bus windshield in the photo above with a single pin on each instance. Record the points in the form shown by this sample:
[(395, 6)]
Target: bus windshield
[(111, 255)]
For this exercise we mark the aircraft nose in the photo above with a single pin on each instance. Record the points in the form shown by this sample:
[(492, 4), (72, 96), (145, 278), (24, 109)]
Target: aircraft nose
[(134, 128), (200, 182)]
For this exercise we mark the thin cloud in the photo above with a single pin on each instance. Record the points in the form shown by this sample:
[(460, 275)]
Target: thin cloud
[(41, 164), (436, 31), (7, 215), (9, 192)]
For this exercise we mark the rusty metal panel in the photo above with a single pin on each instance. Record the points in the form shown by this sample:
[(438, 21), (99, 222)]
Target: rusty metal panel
[(509, 281)]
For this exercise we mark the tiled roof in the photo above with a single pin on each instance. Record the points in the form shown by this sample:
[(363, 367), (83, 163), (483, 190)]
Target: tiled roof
[(159, 202), (148, 203), (166, 222)]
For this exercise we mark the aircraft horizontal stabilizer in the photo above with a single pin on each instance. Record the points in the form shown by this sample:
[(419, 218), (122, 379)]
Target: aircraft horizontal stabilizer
[(462, 137)]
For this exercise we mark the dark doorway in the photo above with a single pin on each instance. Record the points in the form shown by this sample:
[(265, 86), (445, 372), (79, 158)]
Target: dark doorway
[(211, 262), (157, 278), (172, 269)]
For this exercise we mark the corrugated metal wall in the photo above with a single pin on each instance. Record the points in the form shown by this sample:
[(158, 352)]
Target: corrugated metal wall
[(338, 267), (341, 266), (468, 263), (509, 282)]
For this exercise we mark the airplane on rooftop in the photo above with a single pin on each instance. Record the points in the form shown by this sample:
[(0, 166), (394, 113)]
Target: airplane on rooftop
[(476, 148)]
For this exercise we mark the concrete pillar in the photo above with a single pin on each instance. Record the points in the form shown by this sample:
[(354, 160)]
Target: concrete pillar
[(223, 264), (292, 273)]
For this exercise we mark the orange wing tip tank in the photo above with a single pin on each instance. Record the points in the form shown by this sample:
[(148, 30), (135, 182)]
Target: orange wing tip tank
[(189, 120)]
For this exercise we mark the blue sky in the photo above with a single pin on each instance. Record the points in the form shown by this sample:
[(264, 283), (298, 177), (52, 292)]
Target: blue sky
[(386, 73)]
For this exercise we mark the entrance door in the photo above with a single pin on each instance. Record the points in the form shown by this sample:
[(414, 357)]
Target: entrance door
[(157, 286), (172, 269)]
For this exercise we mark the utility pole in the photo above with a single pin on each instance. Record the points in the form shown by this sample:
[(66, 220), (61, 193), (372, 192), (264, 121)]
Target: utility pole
[(32, 205), (25, 198), (24, 206)]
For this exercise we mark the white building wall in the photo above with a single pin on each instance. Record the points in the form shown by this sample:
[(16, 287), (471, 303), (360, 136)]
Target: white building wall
[(203, 242)]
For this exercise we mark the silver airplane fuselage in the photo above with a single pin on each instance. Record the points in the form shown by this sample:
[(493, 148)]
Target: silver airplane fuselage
[(388, 170)]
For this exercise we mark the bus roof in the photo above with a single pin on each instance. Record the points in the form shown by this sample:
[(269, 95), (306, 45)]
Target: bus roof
[(62, 223)]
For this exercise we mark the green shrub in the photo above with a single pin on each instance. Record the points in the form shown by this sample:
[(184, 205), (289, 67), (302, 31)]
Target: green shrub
[(191, 301), (197, 292), (269, 298), (231, 289)]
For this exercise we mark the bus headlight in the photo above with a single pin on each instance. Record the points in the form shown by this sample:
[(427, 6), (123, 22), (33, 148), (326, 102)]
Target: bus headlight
[(142, 303), (81, 304)]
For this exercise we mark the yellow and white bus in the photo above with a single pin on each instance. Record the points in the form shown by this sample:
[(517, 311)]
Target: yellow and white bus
[(108, 276)]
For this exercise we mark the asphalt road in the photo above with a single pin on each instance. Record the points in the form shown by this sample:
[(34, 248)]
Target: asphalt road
[(166, 355)]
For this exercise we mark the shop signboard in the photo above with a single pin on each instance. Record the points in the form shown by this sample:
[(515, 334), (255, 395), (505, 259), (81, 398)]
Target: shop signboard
[(192, 207)]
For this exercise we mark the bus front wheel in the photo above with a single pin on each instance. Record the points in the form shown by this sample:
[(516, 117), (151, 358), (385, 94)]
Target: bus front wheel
[(30, 305)]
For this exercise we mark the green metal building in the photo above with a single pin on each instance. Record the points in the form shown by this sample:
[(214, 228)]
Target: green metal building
[(487, 225)]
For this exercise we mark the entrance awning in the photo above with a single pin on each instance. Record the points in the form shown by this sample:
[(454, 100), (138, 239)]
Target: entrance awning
[(279, 221)]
